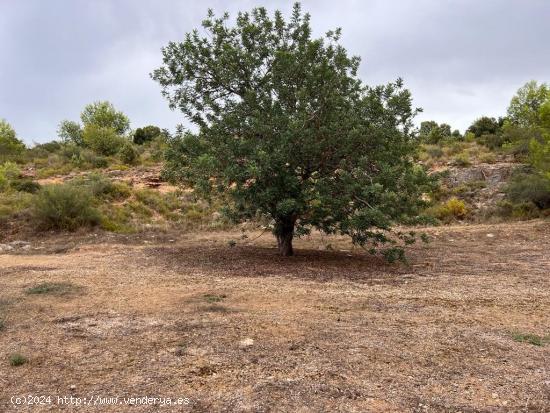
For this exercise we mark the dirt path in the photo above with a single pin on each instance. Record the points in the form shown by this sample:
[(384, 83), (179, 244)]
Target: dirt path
[(239, 329)]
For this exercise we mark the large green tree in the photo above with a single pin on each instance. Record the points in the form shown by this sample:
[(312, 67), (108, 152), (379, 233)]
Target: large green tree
[(287, 130)]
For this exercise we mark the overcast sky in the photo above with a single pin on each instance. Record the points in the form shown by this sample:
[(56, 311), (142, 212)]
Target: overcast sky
[(461, 58)]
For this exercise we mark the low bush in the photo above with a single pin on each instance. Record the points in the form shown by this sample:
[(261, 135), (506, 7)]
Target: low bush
[(102, 188), (64, 207), (128, 154), (487, 157), (25, 185), (17, 359), (452, 209), (529, 188), (462, 159), (102, 140), (9, 172)]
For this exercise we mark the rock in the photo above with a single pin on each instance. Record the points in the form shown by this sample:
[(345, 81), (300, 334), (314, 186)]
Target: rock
[(19, 244), (490, 235), (247, 342), (5, 248)]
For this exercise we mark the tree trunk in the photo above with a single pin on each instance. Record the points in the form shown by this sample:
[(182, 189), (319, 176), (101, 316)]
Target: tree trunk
[(284, 231)]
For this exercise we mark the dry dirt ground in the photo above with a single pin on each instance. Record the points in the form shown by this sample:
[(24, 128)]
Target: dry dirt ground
[(238, 329)]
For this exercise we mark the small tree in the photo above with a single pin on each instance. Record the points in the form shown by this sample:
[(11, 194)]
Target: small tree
[(10, 146), (525, 105), (105, 115), (288, 131), (146, 134), (431, 132), (102, 140), (70, 132), (484, 126)]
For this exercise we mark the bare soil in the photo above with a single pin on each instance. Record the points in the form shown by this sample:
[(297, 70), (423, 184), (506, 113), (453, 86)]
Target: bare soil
[(239, 329)]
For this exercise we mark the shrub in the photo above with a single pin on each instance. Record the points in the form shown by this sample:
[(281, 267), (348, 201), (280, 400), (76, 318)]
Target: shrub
[(128, 154), (454, 208), (493, 141), (9, 172), (17, 359), (53, 288), (531, 188), (101, 187), (146, 134), (102, 140), (64, 207), (117, 219), (25, 185), (462, 159), (488, 157), (434, 151), (12, 203), (533, 339)]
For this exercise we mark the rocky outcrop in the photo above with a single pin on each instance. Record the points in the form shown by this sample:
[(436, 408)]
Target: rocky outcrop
[(482, 184)]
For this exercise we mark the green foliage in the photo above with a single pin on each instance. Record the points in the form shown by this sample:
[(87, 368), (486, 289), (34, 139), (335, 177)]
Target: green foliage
[(529, 188), (52, 288), (494, 141), (9, 172), (104, 115), (64, 207), (102, 188), (13, 203), (454, 208), (11, 148), (533, 339), (485, 126), (17, 359), (70, 132), (525, 105), (462, 159), (128, 154), (102, 140), (25, 185), (146, 134), (431, 132), (288, 131), (539, 155)]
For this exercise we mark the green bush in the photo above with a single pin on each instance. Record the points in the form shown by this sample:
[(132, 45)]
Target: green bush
[(434, 151), (25, 185), (17, 359), (146, 134), (101, 187), (128, 154), (488, 157), (454, 208), (529, 188), (64, 207), (13, 203), (462, 159), (9, 172), (102, 140)]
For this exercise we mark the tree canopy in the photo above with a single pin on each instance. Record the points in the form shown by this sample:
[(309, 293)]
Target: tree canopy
[(287, 130), (104, 114), (524, 109), (10, 145)]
